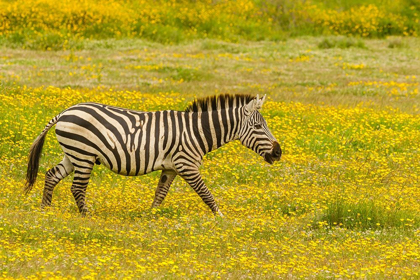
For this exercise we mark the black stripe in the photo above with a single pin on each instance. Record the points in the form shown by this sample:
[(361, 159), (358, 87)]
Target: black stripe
[(147, 144), (172, 115), (205, 124), (76, 158), (192, 146), (166, 126), (80, 151), (217, 128), (237, 112), (224, 121), (157, 140), (81, 167), (179, 117), (234, 123), (222, 104), (81, 173), (137, 152), (197, 132)]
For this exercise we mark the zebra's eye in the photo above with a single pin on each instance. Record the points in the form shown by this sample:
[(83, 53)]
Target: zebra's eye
[(257, 126)]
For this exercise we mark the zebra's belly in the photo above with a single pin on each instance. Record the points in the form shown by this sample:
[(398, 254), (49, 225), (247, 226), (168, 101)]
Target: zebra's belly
[(136, 165)]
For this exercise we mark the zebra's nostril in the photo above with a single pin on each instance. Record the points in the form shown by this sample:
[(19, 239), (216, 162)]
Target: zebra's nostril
[(276, 149)]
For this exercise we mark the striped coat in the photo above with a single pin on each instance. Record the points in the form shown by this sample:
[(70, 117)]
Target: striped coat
[(134, 143)]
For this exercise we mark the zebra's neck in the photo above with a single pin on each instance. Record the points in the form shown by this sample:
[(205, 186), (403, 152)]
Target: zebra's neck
[(213, 129)]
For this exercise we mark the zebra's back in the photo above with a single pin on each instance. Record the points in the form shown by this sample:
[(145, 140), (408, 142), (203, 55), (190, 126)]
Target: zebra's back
[(126, 141)]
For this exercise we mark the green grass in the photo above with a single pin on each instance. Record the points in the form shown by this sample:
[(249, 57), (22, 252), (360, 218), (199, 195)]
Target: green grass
[(342, 43), (365, 215), (32, 25), (232, 67), (342, 202)]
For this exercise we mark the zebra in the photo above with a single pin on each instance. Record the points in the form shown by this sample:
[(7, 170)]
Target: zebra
[(134, 143)]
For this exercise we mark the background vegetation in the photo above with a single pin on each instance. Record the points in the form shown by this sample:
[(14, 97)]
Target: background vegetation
[(344, 201), (46, 24)]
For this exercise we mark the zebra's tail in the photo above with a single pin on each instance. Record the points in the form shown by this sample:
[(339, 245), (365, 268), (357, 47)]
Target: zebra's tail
[(35, 154)]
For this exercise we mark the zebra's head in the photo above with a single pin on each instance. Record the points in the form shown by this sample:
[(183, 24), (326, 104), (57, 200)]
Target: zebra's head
[(255, 135)]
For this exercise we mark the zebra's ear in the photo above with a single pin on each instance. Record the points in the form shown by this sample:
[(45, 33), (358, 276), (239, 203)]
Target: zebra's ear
[(255, 104)]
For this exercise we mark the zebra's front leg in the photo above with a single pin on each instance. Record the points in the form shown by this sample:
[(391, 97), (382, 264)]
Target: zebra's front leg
[(166, 178), (193, 178)]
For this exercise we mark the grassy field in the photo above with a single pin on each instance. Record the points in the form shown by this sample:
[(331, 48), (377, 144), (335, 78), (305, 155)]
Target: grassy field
[(344, 201), (52, 25)]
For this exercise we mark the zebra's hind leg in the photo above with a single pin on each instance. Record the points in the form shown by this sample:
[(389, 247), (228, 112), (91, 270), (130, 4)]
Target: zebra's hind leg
[(80, 182), (166, 178), (52, 177)]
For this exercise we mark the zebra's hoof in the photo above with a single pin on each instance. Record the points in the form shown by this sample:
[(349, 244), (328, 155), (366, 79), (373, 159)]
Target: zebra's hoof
[(220, 214), (84, 212), (45, 206)]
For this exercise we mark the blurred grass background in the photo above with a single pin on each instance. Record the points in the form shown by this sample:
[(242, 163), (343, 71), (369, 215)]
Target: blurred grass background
[(52, 25)]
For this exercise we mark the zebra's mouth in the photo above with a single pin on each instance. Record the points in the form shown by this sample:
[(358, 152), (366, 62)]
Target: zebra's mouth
[(270, 158), (275, 155)]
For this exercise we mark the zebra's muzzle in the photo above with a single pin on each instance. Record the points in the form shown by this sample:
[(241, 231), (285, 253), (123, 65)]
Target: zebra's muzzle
[(275, 154)]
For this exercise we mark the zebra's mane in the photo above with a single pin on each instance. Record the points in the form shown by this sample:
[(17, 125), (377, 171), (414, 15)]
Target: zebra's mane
[(217, 102)]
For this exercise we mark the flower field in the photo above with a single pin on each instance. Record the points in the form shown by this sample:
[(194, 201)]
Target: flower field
[(52, 25), (343, 202)]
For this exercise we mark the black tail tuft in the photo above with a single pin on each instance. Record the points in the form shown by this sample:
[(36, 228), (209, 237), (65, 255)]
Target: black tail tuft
[(33, 162)]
